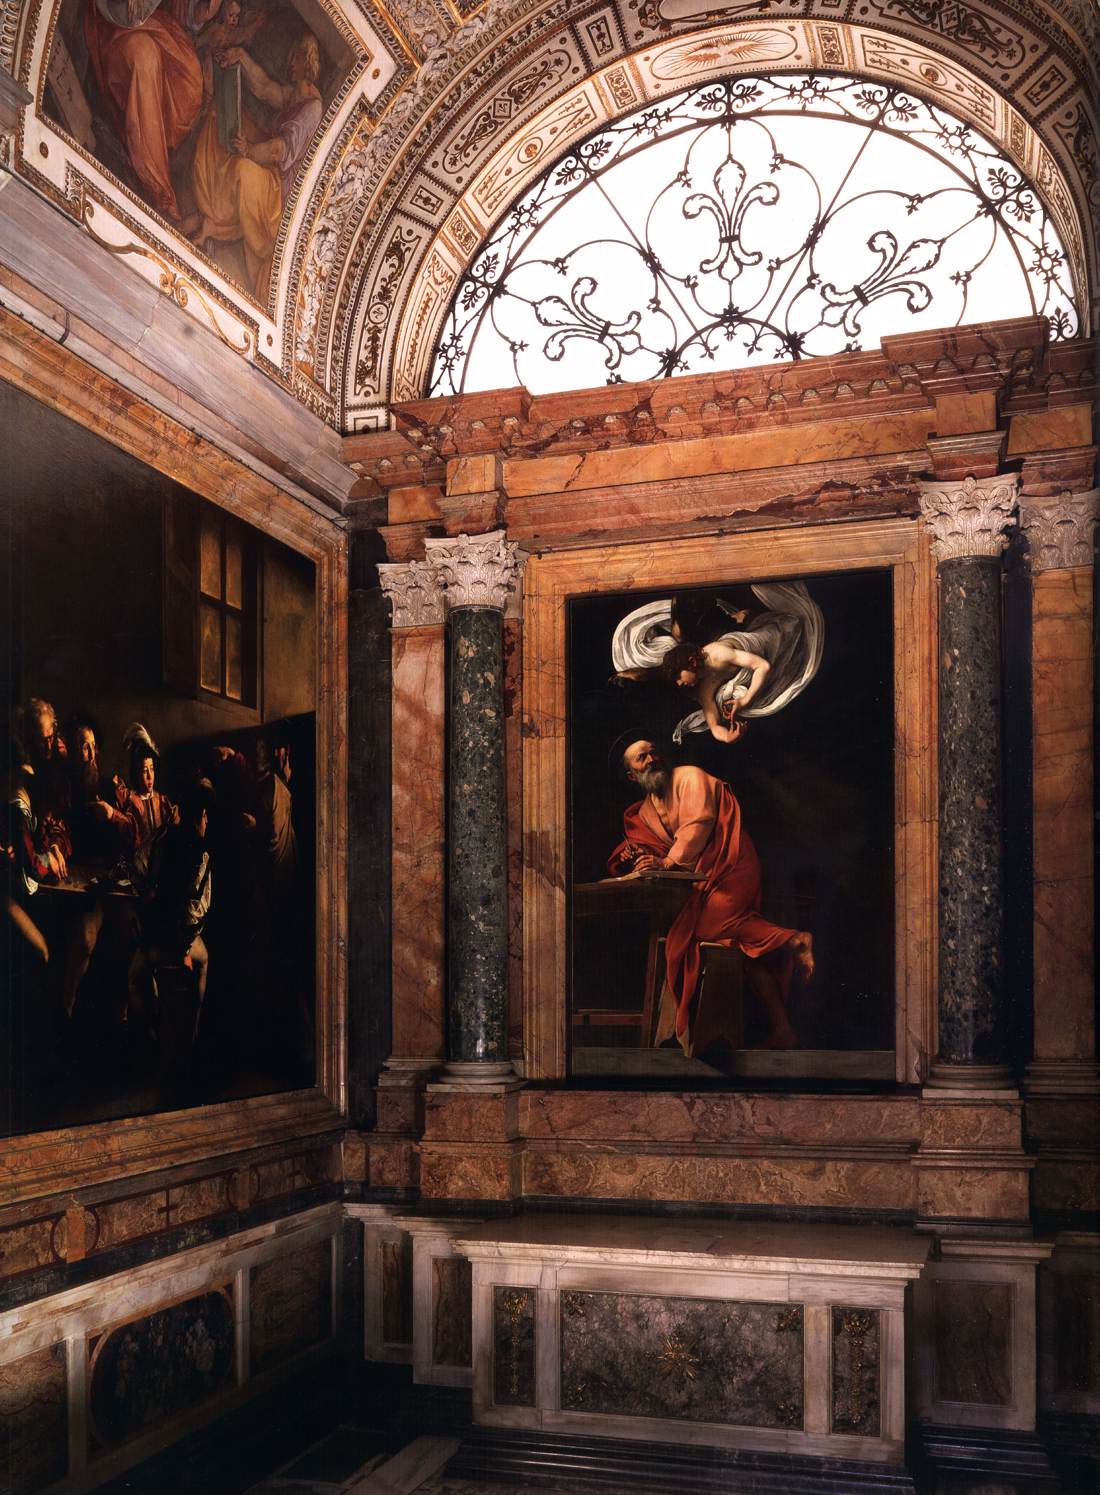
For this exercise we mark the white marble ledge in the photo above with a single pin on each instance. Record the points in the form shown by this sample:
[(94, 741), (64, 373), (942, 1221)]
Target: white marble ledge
[(869, 1251)]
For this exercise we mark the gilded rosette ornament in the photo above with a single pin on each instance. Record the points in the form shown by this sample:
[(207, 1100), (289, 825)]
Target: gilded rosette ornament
[(414, 594), (476, 570), (969, 518), (1060, 529)]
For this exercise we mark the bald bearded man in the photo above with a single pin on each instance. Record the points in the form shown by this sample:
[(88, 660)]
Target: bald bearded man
[(691, 821)]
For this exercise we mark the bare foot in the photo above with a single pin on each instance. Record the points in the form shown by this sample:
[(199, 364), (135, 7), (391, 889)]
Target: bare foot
[(802, 948), (201, 233)]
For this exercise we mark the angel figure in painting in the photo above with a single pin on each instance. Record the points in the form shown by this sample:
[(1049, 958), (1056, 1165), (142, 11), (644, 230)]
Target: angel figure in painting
[(742, 673)]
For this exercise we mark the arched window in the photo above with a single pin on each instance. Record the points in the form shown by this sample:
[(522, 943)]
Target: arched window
[(747, 220)]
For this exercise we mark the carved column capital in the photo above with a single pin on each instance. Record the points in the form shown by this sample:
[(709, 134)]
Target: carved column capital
[(414, 593), (969, 518), (1059, 529), (476, 570)]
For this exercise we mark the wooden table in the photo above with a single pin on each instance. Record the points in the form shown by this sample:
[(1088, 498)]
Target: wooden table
[(659, 896)]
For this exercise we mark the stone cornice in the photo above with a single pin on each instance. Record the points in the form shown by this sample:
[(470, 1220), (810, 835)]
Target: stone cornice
[(1010, 358), (969, 518), (477, 571), (1059, 529), (414, 592)]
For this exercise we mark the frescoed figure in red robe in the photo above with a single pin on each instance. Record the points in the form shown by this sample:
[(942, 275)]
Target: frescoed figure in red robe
[(691, 821), (149, 73)]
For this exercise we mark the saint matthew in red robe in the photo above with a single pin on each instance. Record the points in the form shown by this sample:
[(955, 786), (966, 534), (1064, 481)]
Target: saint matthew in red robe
[(692, 821)]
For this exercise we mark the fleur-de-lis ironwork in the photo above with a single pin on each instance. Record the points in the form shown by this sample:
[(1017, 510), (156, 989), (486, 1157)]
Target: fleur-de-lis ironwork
[(751, 242)]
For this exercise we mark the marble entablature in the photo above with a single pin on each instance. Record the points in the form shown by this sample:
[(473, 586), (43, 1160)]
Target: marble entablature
[(436, 128)]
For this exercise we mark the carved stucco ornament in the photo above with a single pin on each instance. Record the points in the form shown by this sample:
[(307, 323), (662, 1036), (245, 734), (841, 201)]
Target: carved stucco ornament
[(476, 570), (970, 517), (1060, 529), (414, 593)]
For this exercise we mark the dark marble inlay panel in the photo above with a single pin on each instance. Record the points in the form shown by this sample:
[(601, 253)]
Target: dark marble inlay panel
[(291, 1304), (1077, 1321), (514, 1346), (397, 1291), (34, 1449), (697, 1359), (971, 913), (477, 960), (857, 1354), (452, 1303), (972, 1329), (157, 1366)]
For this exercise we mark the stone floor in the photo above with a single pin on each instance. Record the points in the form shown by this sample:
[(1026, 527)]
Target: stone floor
[(350, 1429)]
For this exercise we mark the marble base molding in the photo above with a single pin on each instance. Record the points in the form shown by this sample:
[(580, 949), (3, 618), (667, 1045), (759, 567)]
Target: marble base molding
[(124, 1366), (974, 1327), (756, 1336)]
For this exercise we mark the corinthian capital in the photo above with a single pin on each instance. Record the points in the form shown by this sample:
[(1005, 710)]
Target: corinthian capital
[(1059, 529), (475, 570), (413, 591), (969, 517)]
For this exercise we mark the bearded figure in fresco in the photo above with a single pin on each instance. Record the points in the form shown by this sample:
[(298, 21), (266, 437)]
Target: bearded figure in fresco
[(240, 192), (144, 58)]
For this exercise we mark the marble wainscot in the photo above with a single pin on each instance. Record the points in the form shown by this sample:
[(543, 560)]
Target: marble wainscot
[(734, 1334)]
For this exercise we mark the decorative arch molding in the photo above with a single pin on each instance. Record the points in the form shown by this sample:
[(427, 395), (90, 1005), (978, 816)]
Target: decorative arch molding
[(375, 234), (424, 225)]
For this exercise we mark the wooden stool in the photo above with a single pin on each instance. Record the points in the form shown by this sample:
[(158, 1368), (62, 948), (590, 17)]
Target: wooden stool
[(719, 1006)]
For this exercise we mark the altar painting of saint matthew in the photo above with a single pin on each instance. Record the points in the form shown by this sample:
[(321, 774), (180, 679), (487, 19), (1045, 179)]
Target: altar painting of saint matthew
[(731, 772)]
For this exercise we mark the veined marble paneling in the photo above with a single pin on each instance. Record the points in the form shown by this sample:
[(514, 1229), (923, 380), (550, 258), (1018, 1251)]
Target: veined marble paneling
[(856, 1359), (33, 1420), (451, 1325), (144, 1372), (972, 1324), (291, 1304), (701, 1359), (621, 1173), (396, 1290)]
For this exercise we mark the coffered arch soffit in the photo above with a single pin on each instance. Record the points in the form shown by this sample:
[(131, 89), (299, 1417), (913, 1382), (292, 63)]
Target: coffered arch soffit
[(446, 112)]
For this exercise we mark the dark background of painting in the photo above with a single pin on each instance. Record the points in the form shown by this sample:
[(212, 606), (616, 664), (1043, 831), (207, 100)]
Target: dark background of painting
[(815, 784), (82, 612)]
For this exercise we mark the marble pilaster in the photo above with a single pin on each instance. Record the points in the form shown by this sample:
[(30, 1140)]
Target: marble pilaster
[(1059, 529), (418, 764), (967, 520), (475, 575)]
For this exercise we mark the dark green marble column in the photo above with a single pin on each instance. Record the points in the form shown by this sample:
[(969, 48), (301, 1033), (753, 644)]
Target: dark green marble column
[(476, 574), (967, 520)]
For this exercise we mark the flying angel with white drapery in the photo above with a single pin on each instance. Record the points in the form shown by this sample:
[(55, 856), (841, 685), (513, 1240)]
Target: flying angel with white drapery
[(741, 674)]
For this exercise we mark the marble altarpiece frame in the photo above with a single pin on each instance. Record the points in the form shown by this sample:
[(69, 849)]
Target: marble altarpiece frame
[(46, 1162), (552, 580)]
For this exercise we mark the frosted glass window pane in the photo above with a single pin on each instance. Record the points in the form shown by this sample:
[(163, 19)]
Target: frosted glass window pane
[(749, 220), (234, 668), (210, 652), (210, 557), (234, 572)]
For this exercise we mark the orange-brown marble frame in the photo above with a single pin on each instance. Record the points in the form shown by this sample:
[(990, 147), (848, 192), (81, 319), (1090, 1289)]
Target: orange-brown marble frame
[(551, 579), (44, 1163)]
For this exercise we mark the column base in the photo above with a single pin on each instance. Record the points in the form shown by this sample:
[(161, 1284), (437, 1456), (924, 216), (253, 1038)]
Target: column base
[(406, 1070), (1062, 1077), (478, 1074), (971, 1079)]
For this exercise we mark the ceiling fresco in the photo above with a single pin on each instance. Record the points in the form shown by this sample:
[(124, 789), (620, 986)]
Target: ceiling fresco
[(312, 179)]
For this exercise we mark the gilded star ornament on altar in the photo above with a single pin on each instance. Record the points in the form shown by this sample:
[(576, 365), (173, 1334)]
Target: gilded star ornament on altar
[(679, 1359)]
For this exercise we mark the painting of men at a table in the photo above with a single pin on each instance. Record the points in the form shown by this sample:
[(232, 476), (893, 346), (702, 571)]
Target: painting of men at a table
[(158, 943), (732, 831), (204, 108)]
